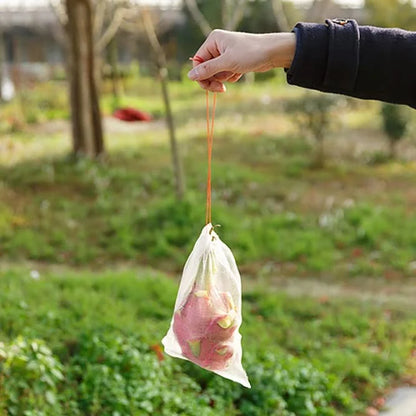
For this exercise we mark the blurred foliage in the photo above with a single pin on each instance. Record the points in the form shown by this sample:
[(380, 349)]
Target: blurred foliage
[(29, 378), (391, 13), (271, 204), (315, 114), (101, 331), (101, 351), (38, 103), (395, 123), (85, 212), (258, 18), (121, 375)]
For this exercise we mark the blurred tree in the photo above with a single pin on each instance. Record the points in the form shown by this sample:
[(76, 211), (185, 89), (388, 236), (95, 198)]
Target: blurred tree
[(229, 14), (314, 114), (198, 16), (317, 10), (90, 25), (145, 21), (268, 16), (116, 86), (395, 120), (108, 18), (87, 132), (251, 15), (280, 15), (392, 13), (284, 14), (2, 59)]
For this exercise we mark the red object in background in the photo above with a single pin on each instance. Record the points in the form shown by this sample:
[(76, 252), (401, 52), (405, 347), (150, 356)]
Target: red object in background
[(131, 114)]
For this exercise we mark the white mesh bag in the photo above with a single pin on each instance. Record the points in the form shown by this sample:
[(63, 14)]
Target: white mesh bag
[(207, 316)]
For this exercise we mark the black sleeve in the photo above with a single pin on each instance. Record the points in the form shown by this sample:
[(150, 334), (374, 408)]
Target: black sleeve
[(359, 61)]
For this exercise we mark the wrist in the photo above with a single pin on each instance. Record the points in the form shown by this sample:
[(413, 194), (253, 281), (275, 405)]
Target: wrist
[(281, 49)]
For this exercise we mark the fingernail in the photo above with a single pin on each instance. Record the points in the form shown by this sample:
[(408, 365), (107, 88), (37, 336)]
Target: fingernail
[(193, 74)]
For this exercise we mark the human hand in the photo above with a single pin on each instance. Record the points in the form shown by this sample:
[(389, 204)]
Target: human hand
[(226, 56)]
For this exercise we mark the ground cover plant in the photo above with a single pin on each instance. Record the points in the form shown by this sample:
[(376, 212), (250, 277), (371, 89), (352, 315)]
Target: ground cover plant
[(270, 203), (83, 342), (104, 241)]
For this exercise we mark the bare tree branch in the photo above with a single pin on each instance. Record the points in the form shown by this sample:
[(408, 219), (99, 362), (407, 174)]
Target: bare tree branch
[(317, 10), (112, 28), (236, 15), (198, 17), (132, 27), (163, 75), (59, 11), (100, 9), (282, 21), (312, 10), (151, 34)]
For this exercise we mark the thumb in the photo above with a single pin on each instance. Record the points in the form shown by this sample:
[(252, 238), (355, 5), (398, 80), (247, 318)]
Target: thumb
[(207, 69)]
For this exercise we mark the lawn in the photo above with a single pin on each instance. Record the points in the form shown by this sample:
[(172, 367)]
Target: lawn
[(109, 240), (304, 356)]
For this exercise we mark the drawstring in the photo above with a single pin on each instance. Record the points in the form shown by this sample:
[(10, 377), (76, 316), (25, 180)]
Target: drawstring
[(210, 136)]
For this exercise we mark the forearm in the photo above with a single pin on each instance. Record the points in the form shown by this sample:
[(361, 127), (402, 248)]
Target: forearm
[(280, 49), (359, 61)]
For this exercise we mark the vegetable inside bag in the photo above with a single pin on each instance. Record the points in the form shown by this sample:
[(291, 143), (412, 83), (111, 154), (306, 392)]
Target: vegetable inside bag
[(207, 316)]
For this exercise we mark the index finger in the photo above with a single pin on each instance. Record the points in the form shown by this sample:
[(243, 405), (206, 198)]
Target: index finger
[(206, 51)]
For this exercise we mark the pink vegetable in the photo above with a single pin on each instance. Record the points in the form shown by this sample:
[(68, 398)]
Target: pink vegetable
[(204, 327)]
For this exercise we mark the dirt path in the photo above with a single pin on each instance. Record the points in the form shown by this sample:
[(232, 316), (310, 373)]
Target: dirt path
[(111, 126), (376, 290)]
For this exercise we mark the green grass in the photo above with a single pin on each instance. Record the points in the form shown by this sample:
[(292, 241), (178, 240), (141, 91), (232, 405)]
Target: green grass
[(100, 330), (270, 203), (349, 219), (357, 347)]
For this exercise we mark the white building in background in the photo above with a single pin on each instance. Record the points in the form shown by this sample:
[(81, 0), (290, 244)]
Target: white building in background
[(32, 40)]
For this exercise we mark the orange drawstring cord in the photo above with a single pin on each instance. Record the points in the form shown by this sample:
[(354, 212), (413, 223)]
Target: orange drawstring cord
[(210, 138)]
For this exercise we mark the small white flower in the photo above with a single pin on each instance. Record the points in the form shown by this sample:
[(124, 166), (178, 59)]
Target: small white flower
[(348, 203), (34, 274), (266, 99)]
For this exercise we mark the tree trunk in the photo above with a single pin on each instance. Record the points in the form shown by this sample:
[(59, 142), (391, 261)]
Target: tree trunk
[(232, 13), (2, 64), (115, 73), (199, 18), (87, 132), (282, 21), (177, 165), (317, 10), (163, 76), (319, 161), (392, 148), (16, 78)]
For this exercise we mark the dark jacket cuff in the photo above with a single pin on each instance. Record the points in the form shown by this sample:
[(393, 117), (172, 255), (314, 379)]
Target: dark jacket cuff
[(309, 63), (327, 56)]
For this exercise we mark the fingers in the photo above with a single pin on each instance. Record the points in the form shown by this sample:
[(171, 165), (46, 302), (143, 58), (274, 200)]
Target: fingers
[(224, 76), (209, 68), (234, 78), (216, 83), (212, 85), (209, 49)]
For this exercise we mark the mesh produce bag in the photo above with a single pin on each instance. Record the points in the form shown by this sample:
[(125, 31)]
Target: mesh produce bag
[(207, 316)]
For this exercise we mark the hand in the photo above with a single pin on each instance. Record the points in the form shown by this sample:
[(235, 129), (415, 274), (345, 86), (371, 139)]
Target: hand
[(227, 55)]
